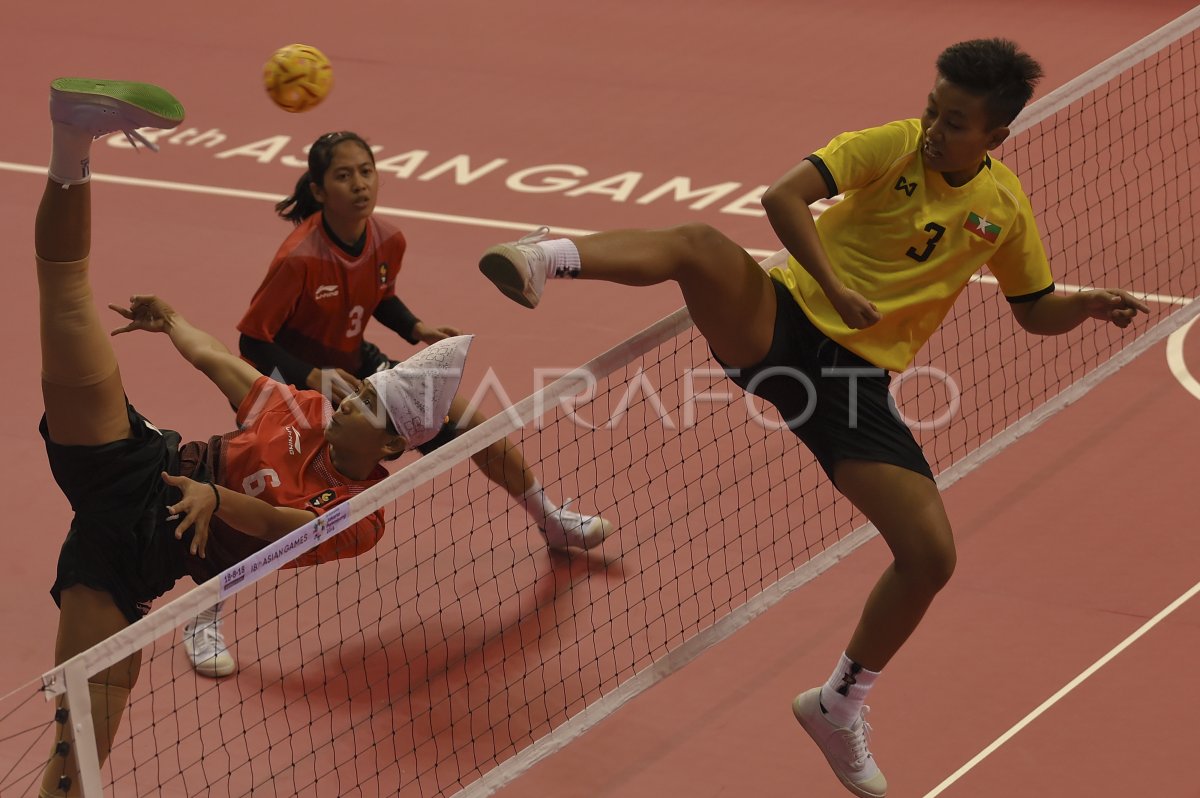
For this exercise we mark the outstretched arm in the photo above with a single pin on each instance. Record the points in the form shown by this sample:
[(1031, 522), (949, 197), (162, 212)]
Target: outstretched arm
[(228, 372), (786, 203), (1054, 314)]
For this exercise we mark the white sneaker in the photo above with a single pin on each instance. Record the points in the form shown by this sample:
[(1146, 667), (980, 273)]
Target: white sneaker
[(567, 529), (101, 107), (519, 268), (205, 646), (845, 749)]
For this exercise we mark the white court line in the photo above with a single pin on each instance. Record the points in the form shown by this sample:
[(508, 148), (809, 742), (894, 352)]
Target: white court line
[(450, 218), (220, 191), (1054, 699), (1178, 364)]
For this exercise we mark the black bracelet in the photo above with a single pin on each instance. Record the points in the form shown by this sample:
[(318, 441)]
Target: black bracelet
[(217, 496)]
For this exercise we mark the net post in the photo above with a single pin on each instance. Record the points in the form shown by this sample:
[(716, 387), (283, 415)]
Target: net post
[(80, 704)]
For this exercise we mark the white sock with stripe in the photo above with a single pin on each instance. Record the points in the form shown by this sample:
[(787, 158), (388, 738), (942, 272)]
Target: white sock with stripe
[(70, 155), (843, 695), (563, 257)]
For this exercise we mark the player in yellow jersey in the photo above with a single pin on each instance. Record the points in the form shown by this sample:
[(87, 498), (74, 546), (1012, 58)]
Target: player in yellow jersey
[(866, 285)]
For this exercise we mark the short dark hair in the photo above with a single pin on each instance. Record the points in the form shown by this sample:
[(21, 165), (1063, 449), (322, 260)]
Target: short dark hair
[(302, 204), (994, 69)]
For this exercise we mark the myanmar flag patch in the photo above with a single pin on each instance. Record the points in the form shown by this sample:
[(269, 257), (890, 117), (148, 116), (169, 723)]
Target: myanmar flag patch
[(982, 227)]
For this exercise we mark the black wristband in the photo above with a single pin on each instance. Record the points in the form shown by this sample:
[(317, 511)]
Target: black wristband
[(217, 496)]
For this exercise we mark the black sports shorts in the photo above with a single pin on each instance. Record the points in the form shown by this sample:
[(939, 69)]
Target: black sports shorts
[(836, 402), (119, 540)]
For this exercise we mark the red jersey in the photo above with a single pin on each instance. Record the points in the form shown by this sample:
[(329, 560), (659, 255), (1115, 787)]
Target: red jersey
[(316, 298), (279, 455)]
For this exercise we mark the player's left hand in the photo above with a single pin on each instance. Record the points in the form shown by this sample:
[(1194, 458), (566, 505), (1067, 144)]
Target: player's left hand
[(145, 312), (431, 335), (1112, 305), (197, 505)]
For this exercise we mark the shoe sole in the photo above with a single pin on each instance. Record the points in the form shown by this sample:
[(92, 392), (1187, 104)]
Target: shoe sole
[(497, 266), (213, 671), (812, 734), (213, 667), (157, 106)]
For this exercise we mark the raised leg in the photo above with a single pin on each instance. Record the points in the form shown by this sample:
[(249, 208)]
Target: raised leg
[(81, 385), (730, 297)]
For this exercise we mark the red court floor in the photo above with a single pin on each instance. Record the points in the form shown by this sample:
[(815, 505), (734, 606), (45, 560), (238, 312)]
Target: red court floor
[(1068, 541)]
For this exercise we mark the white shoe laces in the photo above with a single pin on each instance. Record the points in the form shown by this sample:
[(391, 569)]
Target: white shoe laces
[(572, 526), (569, 520), (205, 635), (857, 736), (135, 138), (533, 238)]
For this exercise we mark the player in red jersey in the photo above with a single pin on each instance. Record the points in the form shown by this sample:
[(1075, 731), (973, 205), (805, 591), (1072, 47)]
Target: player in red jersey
[(305, 325), (148, 508)]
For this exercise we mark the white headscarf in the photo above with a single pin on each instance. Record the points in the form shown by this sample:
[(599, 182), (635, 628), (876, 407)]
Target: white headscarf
[(417, 393)]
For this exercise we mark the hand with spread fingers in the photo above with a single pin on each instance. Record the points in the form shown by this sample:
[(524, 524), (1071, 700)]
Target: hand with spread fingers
[(197, 506), (145, 312)]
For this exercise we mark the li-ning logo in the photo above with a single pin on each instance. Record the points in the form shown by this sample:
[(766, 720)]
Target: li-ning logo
[(293, 436), (326, 291), (905, 186), (848, 679)]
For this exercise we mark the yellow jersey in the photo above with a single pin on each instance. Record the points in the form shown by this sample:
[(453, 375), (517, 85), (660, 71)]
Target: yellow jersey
[(908, 241)]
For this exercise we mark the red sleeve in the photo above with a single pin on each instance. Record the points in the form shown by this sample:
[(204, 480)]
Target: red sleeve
[(275, 300), (347, 544), (264, 394)]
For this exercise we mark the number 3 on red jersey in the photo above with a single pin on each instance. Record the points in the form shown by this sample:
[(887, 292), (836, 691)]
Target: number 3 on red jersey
[(356, 315)]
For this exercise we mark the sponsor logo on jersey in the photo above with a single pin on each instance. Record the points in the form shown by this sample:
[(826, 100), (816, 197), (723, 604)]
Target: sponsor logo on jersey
[(903, 185), (322, 498), (293, 436), (326, 291)]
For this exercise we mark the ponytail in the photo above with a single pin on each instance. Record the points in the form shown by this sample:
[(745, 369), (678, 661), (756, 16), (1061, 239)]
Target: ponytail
[(302, 203)]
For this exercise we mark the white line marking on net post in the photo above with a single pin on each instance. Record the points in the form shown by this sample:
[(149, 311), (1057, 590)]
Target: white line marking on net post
[(1071, 685)]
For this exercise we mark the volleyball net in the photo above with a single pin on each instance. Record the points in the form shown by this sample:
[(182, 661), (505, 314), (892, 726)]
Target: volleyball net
[(460, 650)]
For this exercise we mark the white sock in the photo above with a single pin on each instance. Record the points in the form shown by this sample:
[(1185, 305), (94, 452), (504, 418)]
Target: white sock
[(537, 505), (70, 155), (843, 695), (564, 257)]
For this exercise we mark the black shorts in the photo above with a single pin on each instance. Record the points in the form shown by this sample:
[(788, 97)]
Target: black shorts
[(119, 540), (832, 399)]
